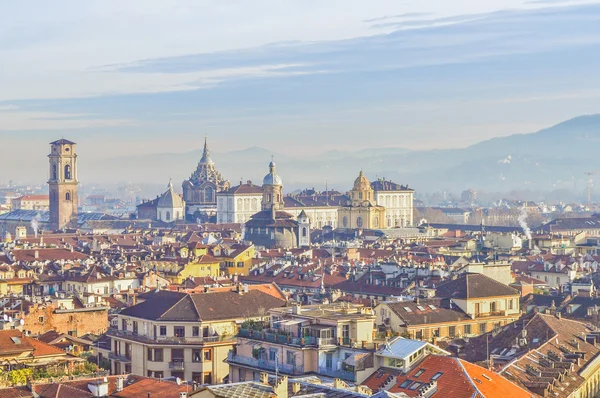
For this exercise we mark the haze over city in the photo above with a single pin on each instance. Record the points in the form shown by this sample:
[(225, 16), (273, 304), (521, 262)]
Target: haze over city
[(408, 74)]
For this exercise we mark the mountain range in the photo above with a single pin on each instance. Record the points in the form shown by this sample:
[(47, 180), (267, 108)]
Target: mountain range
[(554, 158)]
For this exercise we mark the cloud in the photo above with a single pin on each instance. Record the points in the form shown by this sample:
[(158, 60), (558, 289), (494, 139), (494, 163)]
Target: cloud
[(14, 119)]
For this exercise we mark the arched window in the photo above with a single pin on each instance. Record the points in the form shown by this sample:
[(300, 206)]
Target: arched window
[(209, 194), (67, 172), (345, 221), (54, 172), (168, 216), (304, 232), (160, 215), (177, 215), (68, 196)]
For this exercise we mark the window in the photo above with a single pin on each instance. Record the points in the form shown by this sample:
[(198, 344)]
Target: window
[(158, 355), (419, 372), (290, 358), (176, 355), (510, 304), (150, 356), (436, 376), (419, 334), (329, 361), (54, 172), (304, 232), (405, 383), (40, 319), (415, 385), (467, 329), (195, 331), (67, 172), (179, 331), (196, 355), (197, 377), (395, 362), (493, 306), (205, 331), (163, 330), (482, 327), (435, 332), (123, 324), (451, 331), (272, 354), (168, 216), (159, 375), (68, 196), (207, 378), (135, 327), (207, 353)]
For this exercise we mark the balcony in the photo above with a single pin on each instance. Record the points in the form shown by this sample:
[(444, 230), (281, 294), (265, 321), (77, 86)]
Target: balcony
[(490, 314), (118, 357), (341, 374), (306, 341), (126, 334), (264, 364), (177, 364)]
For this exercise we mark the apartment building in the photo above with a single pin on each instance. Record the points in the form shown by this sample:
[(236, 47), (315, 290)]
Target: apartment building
[(334, 340), (186, 335), (470, 305)]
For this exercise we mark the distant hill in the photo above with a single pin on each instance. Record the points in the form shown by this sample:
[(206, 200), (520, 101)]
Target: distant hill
[(555, 157)]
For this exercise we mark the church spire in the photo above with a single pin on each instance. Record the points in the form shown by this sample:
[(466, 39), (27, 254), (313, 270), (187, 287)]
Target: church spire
[(206, 153)]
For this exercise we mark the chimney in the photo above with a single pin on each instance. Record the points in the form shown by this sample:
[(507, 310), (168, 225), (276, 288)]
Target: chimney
[(36, 254), (281, 387), (183, 394), (296, 388), (264, 378), (120, 383)]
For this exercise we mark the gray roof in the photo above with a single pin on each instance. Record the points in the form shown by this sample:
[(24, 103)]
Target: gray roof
[(401, 347), (27, 216), (272, 178)]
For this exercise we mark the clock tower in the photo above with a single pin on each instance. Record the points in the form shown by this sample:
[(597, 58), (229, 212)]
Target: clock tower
[(62, 184)]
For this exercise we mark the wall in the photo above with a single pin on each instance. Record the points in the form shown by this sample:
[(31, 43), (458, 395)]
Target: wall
[(80, 321)]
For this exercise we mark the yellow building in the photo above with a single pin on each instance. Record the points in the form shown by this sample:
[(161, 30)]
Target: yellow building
[(361, 212), (235, 259)]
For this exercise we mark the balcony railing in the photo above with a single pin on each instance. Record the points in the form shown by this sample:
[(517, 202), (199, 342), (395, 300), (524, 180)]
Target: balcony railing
[(177, 365), (265, 364), (126, 334), (341, 374), (118, 357), (296, 341), (490, 314)]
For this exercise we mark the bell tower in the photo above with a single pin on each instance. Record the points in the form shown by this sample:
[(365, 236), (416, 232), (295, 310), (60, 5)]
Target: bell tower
[(62, 184)]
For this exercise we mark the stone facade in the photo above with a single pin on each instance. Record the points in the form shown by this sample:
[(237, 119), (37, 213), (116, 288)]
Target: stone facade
[(361, 211), (63, 184), (200, 190)]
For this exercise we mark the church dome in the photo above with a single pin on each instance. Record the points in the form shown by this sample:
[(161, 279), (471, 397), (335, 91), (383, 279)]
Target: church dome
[(361, 183), (272, 178), (170, 199)]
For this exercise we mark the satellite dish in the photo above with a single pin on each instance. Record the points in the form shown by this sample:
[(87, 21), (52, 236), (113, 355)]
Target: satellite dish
[(10, 319), (22, 322), (178, 381), (5, 317)]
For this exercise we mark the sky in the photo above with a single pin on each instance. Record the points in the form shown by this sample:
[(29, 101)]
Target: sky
[(150, 76)]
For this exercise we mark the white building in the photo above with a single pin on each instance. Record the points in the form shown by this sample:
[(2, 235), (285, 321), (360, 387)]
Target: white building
[(397, 200), (239, 203), (170, 207)]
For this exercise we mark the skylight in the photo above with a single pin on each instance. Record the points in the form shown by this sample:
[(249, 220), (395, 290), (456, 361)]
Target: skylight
[(437, 376), (420, 308), (419, 372), (432, 307), (407, 309)]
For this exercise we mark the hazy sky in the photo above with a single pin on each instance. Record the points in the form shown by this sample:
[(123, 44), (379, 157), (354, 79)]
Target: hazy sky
[(150, 76)]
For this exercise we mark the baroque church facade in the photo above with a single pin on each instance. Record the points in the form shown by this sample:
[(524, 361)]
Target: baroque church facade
[(200, 190), (361, 211), (272, 227)]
